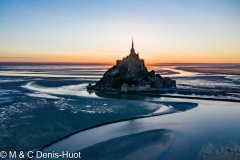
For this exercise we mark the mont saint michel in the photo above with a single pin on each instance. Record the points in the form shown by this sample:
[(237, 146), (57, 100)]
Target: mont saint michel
[(75, 84), (131, 74)]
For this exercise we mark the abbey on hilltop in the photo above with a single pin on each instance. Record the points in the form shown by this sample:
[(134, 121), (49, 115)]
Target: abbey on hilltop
[(131, 74)]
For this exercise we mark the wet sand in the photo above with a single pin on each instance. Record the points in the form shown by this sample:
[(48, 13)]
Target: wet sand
[(233, 70), (182, 133)]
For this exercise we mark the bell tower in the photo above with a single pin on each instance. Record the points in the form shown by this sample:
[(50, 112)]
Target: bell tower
[(132, 49)]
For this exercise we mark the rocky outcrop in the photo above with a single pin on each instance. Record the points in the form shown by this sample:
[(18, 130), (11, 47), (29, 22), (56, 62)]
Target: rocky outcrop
[(132, 71)]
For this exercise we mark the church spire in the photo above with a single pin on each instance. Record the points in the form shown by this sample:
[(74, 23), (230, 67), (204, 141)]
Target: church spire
[(132, 43), (132, 49)]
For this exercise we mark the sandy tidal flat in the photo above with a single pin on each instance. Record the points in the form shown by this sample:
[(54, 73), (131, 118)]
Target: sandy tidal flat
[(233, 70)]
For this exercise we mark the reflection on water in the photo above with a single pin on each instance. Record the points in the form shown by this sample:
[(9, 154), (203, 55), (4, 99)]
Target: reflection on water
[(93, 136), (36, 111), (182, 73), (76, 90), (36, 74), (211, 122), (171, 72), (115, 95), (83, 71), (60, 106), (51, 70), (147, 145)]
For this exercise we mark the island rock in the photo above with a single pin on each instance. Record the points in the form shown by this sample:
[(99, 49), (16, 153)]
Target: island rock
[(131, 74)]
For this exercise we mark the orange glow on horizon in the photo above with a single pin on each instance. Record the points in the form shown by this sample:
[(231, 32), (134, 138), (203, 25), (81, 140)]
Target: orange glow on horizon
[(110, 56), (111, 59)]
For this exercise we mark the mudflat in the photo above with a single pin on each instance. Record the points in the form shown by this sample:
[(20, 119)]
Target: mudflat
[(232, 70)]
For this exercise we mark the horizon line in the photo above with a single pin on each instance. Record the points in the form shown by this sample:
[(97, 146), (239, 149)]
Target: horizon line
[(108, 63)]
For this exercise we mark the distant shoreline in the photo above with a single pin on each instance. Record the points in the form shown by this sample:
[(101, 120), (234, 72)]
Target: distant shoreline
[(55, 63), (230, 70), (110, 63)]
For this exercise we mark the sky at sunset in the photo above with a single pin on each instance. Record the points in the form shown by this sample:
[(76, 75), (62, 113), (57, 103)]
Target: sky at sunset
[(164, 31)]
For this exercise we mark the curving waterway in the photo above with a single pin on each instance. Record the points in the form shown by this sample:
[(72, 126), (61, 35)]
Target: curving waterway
[(183, 133)]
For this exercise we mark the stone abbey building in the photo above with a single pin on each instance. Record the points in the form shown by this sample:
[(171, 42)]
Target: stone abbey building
[(131, 74)]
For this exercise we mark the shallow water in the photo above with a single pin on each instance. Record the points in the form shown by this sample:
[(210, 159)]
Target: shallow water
[(183, 134), (42, 103)]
